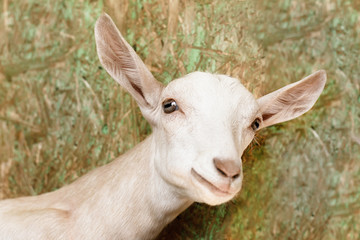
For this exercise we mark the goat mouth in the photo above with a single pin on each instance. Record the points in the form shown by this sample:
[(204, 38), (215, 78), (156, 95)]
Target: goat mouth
[(209, 185)]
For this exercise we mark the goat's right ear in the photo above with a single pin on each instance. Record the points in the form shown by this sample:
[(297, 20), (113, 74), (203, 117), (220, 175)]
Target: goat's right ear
[(126, 67)]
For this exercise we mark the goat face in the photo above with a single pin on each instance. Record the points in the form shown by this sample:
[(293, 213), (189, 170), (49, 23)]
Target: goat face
[(205, 122)]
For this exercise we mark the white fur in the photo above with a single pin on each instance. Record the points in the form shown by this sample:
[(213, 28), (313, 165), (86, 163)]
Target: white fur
[(137, 194)]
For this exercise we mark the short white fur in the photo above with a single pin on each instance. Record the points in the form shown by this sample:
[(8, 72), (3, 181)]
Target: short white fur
[(193, 155)]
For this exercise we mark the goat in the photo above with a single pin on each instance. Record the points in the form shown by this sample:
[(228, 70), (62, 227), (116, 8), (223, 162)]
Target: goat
[(201, 123)]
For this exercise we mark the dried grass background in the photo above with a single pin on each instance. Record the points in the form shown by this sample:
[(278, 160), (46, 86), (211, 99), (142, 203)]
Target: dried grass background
[(61, 115)]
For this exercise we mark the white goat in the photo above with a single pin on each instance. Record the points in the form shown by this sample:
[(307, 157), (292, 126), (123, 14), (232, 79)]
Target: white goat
[(201, 123)]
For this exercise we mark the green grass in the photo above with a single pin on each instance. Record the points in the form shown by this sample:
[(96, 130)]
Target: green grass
[(61, 115)]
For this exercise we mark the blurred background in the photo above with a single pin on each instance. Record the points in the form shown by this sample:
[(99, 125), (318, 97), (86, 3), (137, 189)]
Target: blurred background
[(61, 115)]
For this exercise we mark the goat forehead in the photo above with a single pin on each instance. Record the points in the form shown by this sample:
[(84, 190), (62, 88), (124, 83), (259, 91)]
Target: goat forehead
[(219, 94)]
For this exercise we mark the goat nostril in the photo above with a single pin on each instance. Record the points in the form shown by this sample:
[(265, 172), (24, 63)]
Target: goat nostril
[(222, 172), (227, 168), (235, 176)]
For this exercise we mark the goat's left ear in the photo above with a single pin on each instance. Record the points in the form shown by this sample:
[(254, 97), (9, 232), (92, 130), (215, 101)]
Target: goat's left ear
[(292, 100)]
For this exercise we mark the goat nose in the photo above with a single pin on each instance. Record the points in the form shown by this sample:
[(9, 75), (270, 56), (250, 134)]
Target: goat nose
[(227, 168)]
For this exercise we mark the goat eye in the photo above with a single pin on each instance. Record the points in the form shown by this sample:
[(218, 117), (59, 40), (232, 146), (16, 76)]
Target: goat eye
[(256, 124), (169, 106)]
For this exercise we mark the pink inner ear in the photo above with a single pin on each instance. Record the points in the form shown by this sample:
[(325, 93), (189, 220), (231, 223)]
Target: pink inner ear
[(126, 67), (137, 89), (266, 116), (115, 53), (293, 100)]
